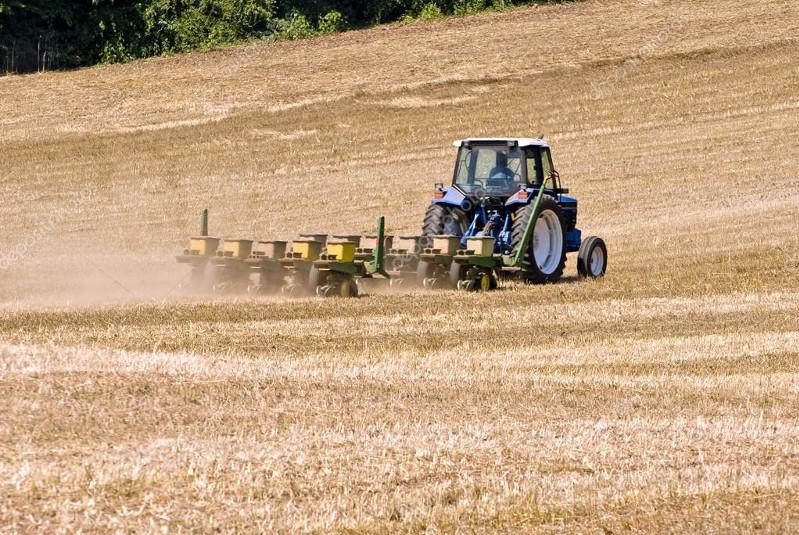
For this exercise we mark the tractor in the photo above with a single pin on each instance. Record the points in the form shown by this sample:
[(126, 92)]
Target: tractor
[(505, 215), (498, 186)]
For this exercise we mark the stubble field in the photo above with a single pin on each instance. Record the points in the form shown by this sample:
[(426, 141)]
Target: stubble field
[(664, 397)]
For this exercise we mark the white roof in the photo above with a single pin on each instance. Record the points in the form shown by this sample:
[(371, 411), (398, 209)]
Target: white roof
[(522, 141)]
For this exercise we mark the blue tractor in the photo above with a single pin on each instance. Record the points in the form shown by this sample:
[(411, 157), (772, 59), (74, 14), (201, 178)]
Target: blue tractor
[(508, 189)]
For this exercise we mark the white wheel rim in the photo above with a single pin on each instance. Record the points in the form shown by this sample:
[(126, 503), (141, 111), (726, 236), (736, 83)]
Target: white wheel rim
[(596, 262), (547, 242)]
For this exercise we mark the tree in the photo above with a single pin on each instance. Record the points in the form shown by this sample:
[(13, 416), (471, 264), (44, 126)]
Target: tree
[(46, 34)]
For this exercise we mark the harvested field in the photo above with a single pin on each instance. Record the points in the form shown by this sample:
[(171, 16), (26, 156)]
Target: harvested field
[(664, 397)]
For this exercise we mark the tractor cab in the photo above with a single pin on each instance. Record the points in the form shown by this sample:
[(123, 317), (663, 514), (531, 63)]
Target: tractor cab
[(500, 168), (497, 172)]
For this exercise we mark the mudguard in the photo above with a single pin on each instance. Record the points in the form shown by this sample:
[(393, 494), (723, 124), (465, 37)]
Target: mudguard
[(454, 197), (516, 198), (564, 201)]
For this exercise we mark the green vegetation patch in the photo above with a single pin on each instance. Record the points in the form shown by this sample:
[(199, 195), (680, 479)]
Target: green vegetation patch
[(41, 35)]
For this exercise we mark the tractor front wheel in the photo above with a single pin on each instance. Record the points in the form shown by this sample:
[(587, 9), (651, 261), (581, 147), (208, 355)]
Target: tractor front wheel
[(592, 259)]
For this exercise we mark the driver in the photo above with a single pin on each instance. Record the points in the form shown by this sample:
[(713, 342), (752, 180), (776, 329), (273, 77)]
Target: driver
[(501, 174)]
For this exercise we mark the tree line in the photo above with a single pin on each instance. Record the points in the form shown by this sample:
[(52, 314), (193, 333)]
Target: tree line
[(40, 35)]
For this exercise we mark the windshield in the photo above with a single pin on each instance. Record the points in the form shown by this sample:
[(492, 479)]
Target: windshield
[(495, 170)]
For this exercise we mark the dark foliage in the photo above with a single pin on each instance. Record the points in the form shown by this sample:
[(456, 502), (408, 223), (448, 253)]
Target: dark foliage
[(56, 34)]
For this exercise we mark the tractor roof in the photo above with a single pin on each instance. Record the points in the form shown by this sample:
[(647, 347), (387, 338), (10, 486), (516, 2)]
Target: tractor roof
[(520, 141)]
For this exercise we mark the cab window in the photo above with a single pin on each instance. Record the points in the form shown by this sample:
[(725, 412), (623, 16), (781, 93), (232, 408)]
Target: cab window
[(539, 165), (532, 167), (546, 162), (496, 170)]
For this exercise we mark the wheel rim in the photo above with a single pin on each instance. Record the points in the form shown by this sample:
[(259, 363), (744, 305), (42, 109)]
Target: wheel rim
[(596, 262), (547, 242), (485, 282)]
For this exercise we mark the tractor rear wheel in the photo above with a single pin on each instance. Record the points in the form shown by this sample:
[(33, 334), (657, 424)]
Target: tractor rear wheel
[(441, 219), (592, 260), (545, 257)]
